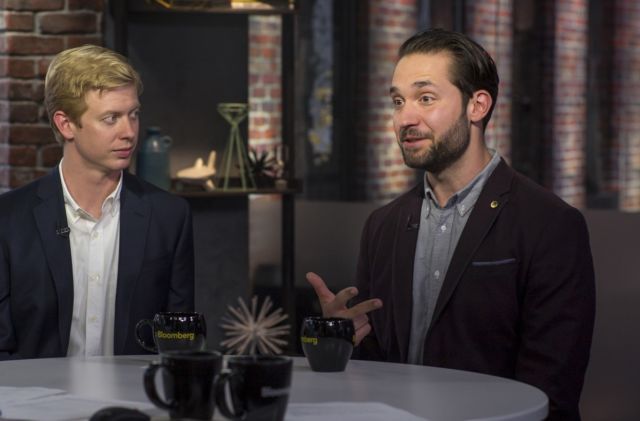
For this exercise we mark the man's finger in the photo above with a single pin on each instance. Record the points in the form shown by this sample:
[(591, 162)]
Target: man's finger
[(363, 308), (361, 333), (324, 294), (344, 296), (360, 321)]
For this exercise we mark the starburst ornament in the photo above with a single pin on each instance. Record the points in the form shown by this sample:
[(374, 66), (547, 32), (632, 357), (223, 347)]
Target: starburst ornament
[(254, 331)]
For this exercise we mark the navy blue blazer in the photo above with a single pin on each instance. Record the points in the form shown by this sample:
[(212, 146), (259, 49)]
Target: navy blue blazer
[(155, 268), (518, 299)]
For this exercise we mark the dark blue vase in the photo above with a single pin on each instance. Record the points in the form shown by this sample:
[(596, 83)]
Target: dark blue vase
[(153, 158)]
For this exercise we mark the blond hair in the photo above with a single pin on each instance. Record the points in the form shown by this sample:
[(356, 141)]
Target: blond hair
[(75, 72)]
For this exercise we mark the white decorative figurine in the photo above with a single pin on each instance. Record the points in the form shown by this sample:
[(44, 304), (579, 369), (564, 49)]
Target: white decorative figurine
[(200, 173)]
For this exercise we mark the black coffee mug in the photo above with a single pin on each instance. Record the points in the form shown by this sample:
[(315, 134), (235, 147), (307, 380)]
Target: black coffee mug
[(258, 387), (188, 382), (327, 342), (174, 331)]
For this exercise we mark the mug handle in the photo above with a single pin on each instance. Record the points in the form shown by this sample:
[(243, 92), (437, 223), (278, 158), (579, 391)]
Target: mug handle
[(237, 413), (139, 326), (150, 387)]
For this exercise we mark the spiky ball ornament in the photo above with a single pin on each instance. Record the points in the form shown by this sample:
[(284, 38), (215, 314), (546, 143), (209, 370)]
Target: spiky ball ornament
[(254, 331)]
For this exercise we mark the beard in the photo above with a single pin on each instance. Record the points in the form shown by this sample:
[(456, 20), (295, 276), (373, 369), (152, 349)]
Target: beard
[(444, 150)]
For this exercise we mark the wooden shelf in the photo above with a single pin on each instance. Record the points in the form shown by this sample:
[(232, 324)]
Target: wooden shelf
[(189, 190), (212, 6)]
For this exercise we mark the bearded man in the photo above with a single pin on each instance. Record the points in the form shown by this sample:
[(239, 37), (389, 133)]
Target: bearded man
[(477, 268)]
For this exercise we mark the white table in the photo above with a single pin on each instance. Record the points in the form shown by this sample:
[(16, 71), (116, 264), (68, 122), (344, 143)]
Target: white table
[(432, 393)]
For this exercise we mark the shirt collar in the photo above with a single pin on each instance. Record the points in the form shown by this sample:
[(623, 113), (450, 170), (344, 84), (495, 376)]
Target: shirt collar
[(109, 205), (465, 198)]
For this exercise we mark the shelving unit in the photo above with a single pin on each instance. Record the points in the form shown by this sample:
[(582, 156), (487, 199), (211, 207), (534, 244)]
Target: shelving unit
[(217, 210)]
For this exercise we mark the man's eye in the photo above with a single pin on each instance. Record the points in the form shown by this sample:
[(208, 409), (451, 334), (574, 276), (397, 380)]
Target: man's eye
[(397, 102), (135, 114), (426, 99), (111, 119)]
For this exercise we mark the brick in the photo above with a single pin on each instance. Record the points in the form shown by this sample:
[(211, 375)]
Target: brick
[(27, 134), (22, 90), (34, 5), (20, 68), (18, 21), (95, 5), (27, 90), (4, 134), (31, 44), (4, 154), (22, 156), (50, 155), (23, 112), (78, 40), (68, 23), (42, 66), (4, 111)]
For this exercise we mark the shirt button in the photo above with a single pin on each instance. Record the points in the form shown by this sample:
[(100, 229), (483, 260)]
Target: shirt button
[(95, 235), (443, 228), (93, 319), (436, 274)]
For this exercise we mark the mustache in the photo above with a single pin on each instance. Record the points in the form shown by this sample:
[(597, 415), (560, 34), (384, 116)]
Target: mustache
[(412, 132)]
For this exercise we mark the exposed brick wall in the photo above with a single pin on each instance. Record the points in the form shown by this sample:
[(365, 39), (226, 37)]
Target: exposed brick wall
[(626, 100), (31, 33), (265, 92), (569, 102), (382, 173), (490, 24)]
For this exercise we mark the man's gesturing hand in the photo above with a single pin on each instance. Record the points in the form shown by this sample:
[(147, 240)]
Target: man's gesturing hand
[(335, 305)]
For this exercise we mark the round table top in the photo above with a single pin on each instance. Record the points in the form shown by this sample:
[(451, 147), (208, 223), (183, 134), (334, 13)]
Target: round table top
[(428, 392)]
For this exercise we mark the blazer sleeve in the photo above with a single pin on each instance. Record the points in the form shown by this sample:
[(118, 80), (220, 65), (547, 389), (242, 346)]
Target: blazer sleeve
[(369, 349), (7, 334), (181, 288), (558, 313)]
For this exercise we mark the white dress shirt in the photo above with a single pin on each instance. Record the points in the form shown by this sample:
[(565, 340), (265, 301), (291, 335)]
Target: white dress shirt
[(95, 246)]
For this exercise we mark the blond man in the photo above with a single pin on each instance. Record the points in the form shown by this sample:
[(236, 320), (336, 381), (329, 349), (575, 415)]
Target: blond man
[(89, 249)]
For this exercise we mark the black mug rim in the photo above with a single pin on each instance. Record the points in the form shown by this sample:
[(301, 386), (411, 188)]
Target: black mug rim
[(186, 354), (178, 314), (260, 360), (326, 319)]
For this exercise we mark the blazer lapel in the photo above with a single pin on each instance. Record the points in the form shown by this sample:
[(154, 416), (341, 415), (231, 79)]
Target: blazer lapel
[(407, 226), (134, 223), (50, 217), (491, 201)]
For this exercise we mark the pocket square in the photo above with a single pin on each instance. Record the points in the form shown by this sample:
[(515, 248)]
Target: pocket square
[(493, 262)]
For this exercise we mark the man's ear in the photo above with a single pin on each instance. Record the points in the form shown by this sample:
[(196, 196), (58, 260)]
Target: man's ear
[(478, 106), (64, 124)]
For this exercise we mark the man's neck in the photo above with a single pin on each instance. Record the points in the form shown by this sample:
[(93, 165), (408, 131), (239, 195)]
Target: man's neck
[(448, 182), (89, 187)]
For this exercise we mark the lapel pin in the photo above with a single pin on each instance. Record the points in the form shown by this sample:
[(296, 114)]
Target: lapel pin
[(494, 204)]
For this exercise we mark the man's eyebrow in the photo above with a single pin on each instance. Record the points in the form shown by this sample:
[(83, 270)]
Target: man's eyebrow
[(417, 85), (422, 83)]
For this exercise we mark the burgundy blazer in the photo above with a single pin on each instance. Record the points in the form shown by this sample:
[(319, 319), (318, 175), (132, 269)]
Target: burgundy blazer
[(518, 299)]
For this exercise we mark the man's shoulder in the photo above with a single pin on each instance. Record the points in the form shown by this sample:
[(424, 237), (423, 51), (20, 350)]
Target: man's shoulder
[(529, 193), (24, 195)]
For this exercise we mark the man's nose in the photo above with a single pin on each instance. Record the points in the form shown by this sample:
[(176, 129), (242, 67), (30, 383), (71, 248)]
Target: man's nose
[(129, 127), (407, 116)]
